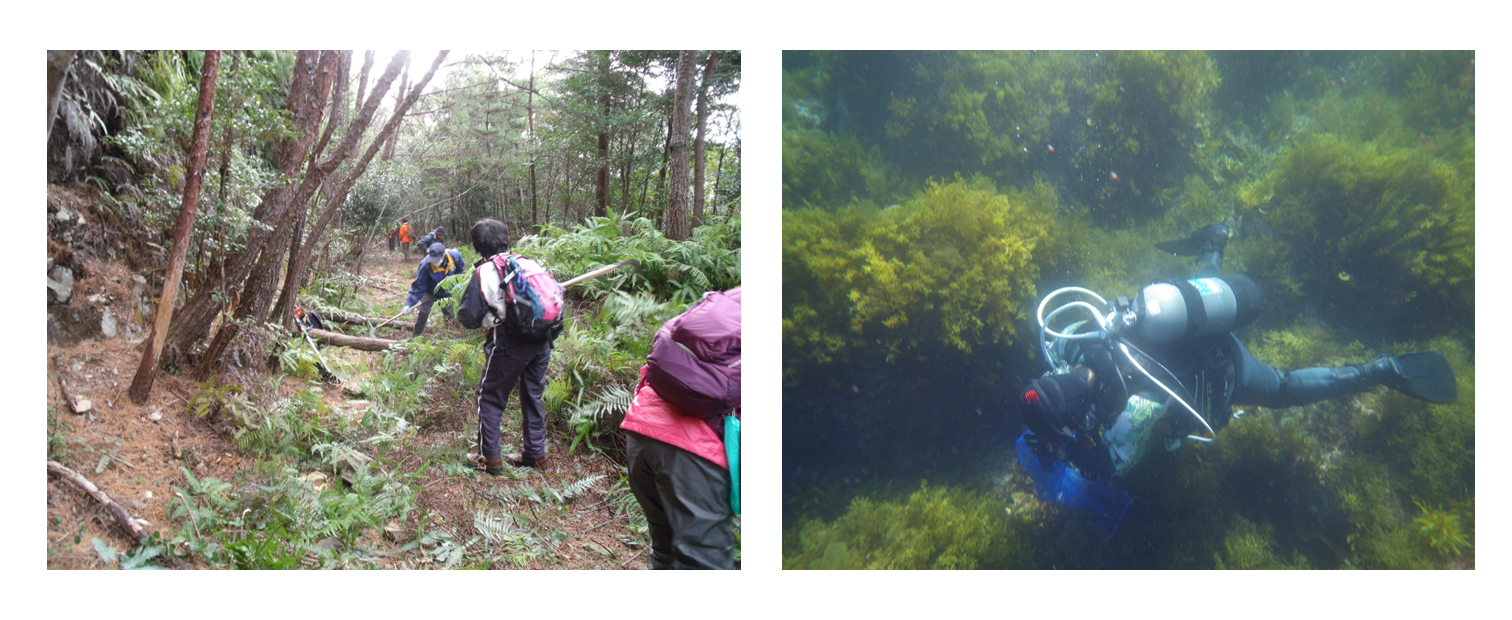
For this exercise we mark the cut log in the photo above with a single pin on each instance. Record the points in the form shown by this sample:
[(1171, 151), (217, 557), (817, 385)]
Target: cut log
[(367, 322), (355, 342)]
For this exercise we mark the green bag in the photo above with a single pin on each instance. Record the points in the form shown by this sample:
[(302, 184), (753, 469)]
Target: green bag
[(732, 452)]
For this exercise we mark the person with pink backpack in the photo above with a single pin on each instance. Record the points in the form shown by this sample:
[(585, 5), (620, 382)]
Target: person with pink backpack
[(682, 436), (522, 307)]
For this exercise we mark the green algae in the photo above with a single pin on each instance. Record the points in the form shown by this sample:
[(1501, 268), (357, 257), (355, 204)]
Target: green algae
[(954, 266), (934, 528)]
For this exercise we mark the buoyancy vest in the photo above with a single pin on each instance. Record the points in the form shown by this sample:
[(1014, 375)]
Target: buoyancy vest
[(653, 417)]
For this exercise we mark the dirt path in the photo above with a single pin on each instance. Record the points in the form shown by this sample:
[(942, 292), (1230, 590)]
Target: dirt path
[(138, 454)]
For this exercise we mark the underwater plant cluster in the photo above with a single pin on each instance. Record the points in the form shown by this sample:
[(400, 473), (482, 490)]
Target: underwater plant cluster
[(930, 198)]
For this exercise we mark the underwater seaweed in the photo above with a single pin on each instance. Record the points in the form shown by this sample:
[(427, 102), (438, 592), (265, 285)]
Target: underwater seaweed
[(1442, 530), (934, 528), (1249, 547), (1400, 232), (1348, 179), (953, 266)]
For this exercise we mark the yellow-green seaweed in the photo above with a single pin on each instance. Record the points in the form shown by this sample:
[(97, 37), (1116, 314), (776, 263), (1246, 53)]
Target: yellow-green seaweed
[(934, 528), (954, 267)]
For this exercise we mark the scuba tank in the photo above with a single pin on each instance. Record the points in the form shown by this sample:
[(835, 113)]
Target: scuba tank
[(1173, 310)]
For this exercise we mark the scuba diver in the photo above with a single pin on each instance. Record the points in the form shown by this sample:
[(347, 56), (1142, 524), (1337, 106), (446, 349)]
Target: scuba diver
[(1166, 364)]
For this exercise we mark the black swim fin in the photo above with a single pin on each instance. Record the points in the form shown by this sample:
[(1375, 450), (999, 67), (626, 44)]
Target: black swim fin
[(1210, 237), (1427, 376)]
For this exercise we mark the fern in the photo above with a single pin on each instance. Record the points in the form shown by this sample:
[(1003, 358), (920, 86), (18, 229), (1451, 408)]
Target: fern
[(585, 419), (576, 489), (495, 528)]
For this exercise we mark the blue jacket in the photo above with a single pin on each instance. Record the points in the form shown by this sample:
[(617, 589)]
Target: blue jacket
[(429, 275)]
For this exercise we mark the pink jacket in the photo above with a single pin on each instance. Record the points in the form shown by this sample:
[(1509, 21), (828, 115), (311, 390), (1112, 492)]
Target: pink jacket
[(653, 417)]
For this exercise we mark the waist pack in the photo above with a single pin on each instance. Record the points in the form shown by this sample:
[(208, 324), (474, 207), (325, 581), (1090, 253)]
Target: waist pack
[(695, 357)]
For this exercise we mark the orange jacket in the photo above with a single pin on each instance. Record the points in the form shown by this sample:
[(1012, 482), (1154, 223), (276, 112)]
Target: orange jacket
[(404, 234)]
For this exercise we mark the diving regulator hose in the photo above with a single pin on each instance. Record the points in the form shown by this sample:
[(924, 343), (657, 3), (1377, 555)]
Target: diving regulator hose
[(1108, 328)]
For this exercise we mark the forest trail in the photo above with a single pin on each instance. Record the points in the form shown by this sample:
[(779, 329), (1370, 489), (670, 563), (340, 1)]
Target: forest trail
[(573, 514)]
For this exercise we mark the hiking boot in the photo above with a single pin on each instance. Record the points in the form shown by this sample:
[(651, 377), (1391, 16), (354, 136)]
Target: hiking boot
[(520, 460), (492, 467)]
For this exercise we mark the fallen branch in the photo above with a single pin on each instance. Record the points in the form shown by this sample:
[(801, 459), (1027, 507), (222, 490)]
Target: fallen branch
[(122, 516), (355, 342), (632, 558), (602, 524)]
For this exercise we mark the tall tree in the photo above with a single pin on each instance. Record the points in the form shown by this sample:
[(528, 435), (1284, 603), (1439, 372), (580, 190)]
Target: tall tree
[(300, 259), (261, 287), (604, 86), (388, 151), (313, 73), (677, 176), (146, 373), (698, 148), (530, 124)]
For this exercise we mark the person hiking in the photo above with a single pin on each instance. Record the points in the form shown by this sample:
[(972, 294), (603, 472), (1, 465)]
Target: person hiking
[(404, 237), (677, 439), (438, 263), (439, 234), (521, 306), (393, 237), (1168, 365)]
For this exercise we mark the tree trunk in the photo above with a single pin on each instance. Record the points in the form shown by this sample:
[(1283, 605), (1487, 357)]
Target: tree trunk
[(625, 172), (661, 172), (677, 174), (355, 342), (698, 145), (367, 322), (57, 68), (229, 142), (718, 173), (300, 260), (313, 74), (367, 66), (388, 151), (262, 283), (146, 373), (601, 185), (530, 130)]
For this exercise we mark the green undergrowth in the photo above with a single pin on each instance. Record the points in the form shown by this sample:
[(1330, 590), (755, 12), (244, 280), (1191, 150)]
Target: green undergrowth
[(670, 270)]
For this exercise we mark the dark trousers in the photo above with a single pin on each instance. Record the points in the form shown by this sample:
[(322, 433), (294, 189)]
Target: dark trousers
[(686, 499), (1260, 384), (510, 363), (425, 304), (391, 245), (405, 246)]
